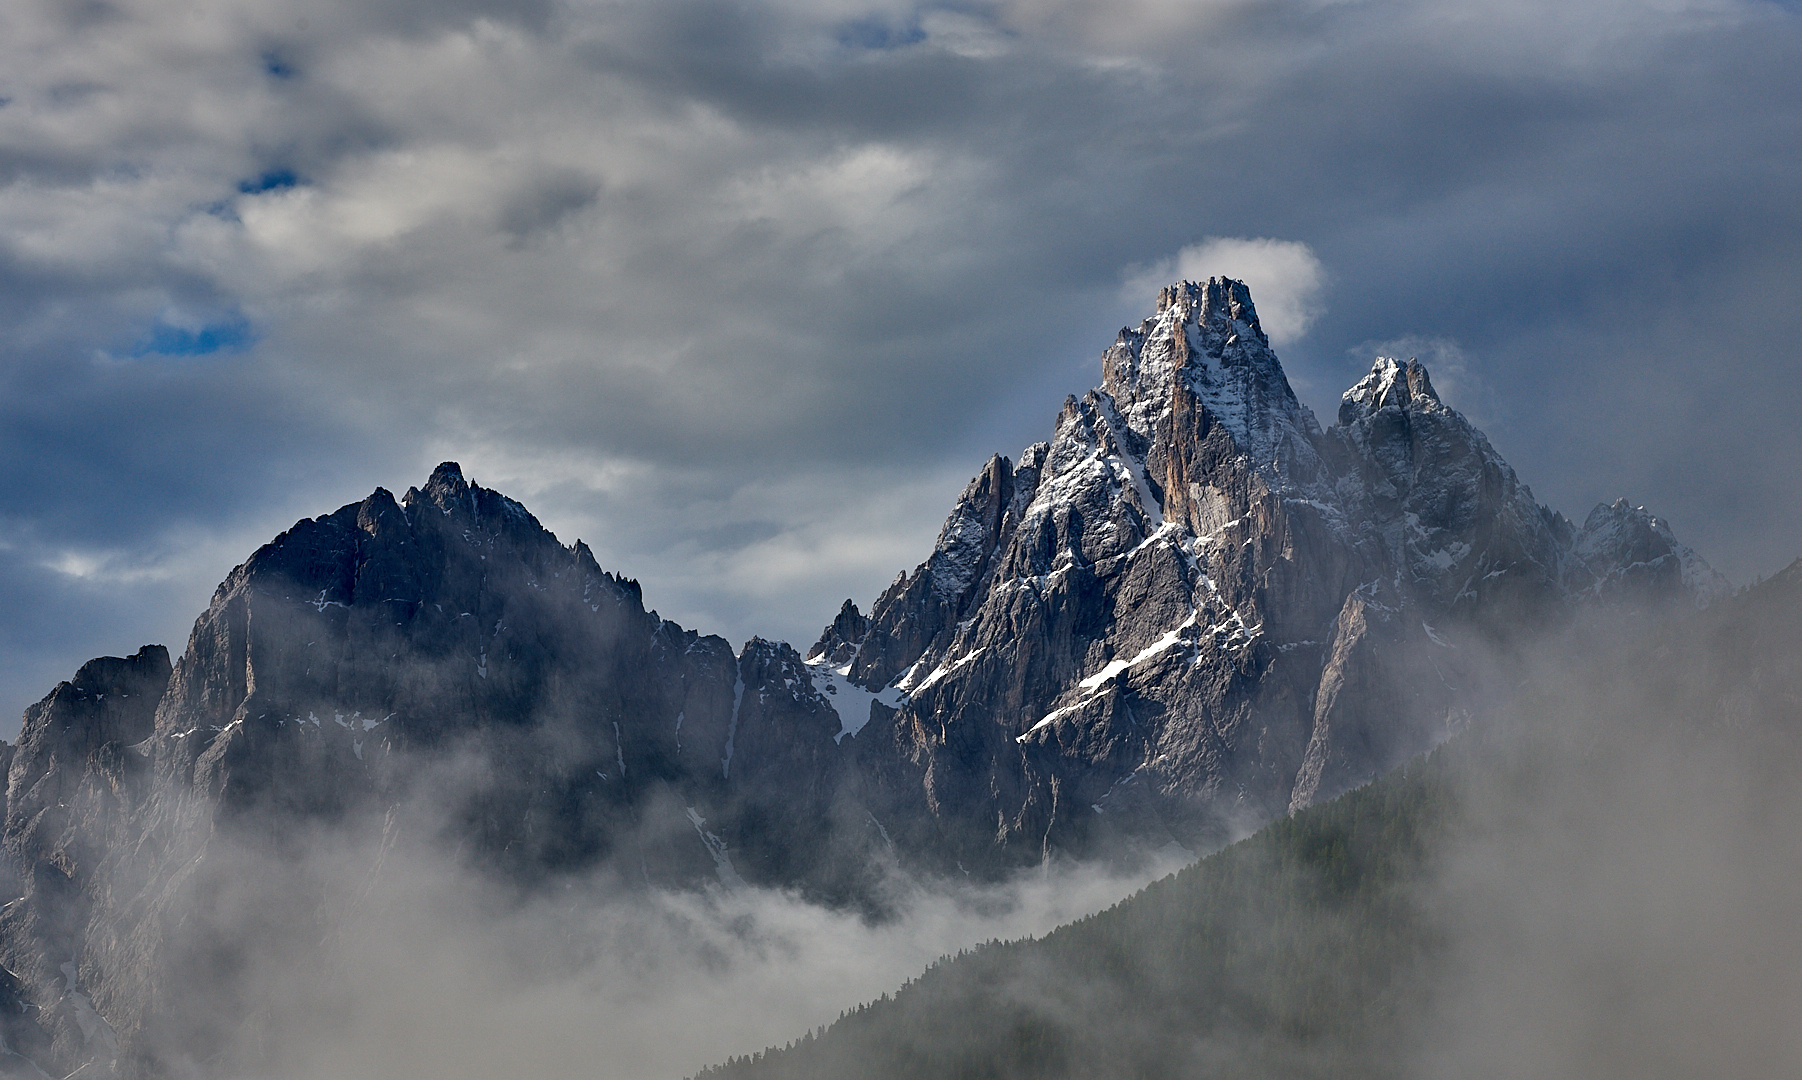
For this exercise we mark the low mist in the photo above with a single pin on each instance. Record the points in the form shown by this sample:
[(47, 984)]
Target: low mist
[(371, 954), (1600, 877), (1609, 887), (1622, 892)]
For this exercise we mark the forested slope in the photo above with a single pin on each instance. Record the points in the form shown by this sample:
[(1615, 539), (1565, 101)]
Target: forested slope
[(1292, 953)]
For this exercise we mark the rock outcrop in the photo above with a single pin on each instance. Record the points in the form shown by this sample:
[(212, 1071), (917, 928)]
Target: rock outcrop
[(71, 787)]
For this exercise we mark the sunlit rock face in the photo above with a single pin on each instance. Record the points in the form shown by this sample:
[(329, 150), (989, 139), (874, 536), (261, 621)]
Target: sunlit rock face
[(1191, 610)]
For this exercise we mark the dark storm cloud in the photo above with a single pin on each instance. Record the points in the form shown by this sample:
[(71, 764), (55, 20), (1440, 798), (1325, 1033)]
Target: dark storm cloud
[(741, 293)]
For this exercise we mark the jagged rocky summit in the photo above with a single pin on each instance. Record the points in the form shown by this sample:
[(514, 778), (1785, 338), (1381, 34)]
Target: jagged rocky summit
[(1190, 611), (1194, 609)]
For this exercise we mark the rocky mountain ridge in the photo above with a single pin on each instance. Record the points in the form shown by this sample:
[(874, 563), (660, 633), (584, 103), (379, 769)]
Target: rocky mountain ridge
[(440, 660), (1192, 610)]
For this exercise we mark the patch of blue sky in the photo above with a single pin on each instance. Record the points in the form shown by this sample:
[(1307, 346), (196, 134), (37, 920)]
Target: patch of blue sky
[(273, 180), (233, 334)]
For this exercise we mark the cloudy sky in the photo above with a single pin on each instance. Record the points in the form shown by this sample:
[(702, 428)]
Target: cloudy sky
[(742, 293)]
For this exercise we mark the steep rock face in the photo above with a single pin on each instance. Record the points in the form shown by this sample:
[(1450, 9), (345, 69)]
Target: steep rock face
[(1203, 409), (111, 702), (917, 608), (1194, 609), (1456, 527), (70, 786), (1383, 694), (838, 644), (451, 620)]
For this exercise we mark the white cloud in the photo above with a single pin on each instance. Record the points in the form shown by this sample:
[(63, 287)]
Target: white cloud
[(437, 971)]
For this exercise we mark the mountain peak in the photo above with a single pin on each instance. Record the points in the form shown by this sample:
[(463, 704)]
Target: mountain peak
[(1214, 301), (838, 642), (1202, 363), (446, 480), (118, 675), (1194, 321), (1391, 382), (1632, 553)]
